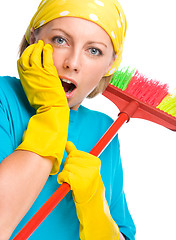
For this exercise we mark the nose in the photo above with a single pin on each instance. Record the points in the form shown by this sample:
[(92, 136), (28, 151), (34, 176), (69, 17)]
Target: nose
[(72, 61)]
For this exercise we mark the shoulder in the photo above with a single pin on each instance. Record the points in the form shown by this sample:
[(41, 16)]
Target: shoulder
[(14, 108), (8, 82), (10, 87), (12, 95)]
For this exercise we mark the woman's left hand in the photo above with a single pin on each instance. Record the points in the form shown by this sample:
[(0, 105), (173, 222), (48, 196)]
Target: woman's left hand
[(82, 172)]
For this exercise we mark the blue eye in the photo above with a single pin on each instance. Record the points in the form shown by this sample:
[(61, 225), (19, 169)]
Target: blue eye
[(59, 40), (95, 51)]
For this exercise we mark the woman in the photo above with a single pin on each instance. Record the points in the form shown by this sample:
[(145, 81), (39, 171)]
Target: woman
[(75, 47)]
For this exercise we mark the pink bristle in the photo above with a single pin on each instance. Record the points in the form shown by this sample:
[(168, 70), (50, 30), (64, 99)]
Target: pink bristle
[(147, 90)]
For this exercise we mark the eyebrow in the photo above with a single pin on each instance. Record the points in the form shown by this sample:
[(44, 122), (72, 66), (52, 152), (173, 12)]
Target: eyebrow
[(68, 35), (59, 29), (92, 42)]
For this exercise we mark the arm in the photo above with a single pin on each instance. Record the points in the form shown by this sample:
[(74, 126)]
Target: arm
[(20, 183), (25, 171), (82, 172)]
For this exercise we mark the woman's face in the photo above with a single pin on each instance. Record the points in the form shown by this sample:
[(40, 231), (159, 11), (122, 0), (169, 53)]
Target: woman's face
[(83, 54)]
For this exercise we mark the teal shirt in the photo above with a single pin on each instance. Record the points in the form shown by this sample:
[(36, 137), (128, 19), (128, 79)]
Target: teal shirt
[(85, 129)]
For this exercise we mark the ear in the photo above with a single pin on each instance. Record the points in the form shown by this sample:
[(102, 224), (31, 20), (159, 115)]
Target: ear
[(32, 36)]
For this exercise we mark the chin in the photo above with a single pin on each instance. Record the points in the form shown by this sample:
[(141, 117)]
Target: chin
[(74, 107)]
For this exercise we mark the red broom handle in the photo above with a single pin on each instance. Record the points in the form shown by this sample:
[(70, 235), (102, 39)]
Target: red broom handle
[(62, 191), (109, 135)]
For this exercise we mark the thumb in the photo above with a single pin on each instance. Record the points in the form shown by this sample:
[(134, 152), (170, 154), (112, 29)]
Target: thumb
[(70, 147)]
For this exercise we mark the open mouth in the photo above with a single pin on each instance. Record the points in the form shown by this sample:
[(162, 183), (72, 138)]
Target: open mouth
[(68, 86)]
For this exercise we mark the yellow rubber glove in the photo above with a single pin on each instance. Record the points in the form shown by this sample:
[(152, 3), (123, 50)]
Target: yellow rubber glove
[(47, 130), (82, 172)]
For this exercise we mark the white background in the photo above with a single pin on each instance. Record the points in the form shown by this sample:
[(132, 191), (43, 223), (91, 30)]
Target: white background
[(147, 149)]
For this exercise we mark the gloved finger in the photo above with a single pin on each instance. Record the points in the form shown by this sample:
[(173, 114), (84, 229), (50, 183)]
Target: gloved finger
[(48, 56), (23, 61), (75, 170), (36, 57), (63, 177), (70, 147), (83, 159)]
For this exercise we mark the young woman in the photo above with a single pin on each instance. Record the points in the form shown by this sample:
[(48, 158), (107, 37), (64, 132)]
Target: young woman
[(70, 51)]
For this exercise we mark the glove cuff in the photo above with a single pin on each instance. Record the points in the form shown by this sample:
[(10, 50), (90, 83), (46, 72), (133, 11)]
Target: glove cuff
[(46, 136), (95, 219)]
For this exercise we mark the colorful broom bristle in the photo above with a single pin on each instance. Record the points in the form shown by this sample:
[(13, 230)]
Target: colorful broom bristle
[(137, 96), (121, 78), (168, 105), (147, 90)]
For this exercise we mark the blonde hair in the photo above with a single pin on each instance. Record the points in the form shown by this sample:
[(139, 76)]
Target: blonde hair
[(99, 89)]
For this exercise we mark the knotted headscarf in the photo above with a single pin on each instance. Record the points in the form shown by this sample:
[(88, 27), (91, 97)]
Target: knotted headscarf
[(108, 14)]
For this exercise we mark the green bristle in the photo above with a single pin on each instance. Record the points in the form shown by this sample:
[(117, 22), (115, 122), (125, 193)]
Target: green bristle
[(122, 77), (168, 105)]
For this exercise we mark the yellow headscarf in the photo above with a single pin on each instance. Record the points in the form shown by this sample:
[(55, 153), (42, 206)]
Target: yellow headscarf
[(108, 14)]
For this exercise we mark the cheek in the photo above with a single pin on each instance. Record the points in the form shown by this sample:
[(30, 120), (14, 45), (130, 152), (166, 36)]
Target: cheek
[(97, 70), (92, 78), (103, 65), (57, 60)]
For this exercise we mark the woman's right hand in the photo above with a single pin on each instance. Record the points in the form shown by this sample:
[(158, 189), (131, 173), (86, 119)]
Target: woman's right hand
[(47, 131), (39, 77)]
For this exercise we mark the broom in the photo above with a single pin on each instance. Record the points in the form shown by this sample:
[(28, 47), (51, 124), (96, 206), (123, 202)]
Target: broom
[(135, 96)]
